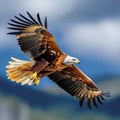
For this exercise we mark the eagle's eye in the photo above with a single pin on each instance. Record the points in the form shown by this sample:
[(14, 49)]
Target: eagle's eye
[(74, 59)]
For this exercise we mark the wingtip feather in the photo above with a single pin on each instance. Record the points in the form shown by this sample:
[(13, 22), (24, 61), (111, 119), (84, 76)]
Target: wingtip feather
[(107, 94)]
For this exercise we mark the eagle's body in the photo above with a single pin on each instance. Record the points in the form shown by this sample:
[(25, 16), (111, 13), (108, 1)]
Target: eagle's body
[(43, 68), (47, 59)]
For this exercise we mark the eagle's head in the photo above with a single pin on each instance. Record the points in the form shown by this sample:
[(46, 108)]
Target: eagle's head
[(70, 60)]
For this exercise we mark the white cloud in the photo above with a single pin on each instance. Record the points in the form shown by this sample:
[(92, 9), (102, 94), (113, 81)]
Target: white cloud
[(53, 9), (98, 38)]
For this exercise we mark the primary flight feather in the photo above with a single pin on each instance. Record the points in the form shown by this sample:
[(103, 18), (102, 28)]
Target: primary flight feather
[(47, 59)]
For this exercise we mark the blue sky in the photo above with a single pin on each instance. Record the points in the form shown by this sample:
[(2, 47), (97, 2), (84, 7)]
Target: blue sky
[(86, 29)]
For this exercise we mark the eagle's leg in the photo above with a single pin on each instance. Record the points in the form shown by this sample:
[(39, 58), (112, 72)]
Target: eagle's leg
[(35, 78)]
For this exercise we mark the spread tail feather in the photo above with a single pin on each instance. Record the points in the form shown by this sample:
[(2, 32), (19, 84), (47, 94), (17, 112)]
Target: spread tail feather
[(20, 72)]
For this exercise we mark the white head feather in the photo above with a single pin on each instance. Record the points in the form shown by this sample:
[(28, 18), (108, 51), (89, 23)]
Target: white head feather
[(70, 60)]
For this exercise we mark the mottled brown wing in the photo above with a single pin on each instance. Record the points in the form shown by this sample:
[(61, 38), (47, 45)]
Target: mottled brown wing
[(76, 83), (33, 37)]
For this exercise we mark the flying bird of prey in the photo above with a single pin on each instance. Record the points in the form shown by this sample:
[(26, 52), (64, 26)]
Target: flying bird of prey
[(47, 59)]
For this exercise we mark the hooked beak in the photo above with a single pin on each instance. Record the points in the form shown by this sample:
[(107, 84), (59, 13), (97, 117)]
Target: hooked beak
[(77, 61)]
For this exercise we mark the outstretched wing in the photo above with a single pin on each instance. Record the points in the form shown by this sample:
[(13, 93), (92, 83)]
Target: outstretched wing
[(33, 37), (76, 83)]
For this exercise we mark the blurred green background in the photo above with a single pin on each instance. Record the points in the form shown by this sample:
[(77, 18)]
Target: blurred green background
[(86, 29)]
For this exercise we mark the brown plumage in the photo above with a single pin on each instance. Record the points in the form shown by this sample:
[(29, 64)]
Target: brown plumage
[(39, 44)]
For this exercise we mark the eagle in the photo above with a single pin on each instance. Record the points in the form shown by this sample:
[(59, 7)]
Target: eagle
[(47, 59)]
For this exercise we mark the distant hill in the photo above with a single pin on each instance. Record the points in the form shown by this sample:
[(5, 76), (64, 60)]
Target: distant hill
[(43, 100), (32, 96)]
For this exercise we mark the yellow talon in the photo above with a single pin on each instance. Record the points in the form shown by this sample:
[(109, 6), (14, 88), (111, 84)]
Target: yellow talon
[(35, 78), (37, 81)]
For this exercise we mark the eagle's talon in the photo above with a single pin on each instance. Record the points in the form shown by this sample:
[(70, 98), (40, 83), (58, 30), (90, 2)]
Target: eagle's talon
[(37, 82), (34, 75), (35, 79)]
